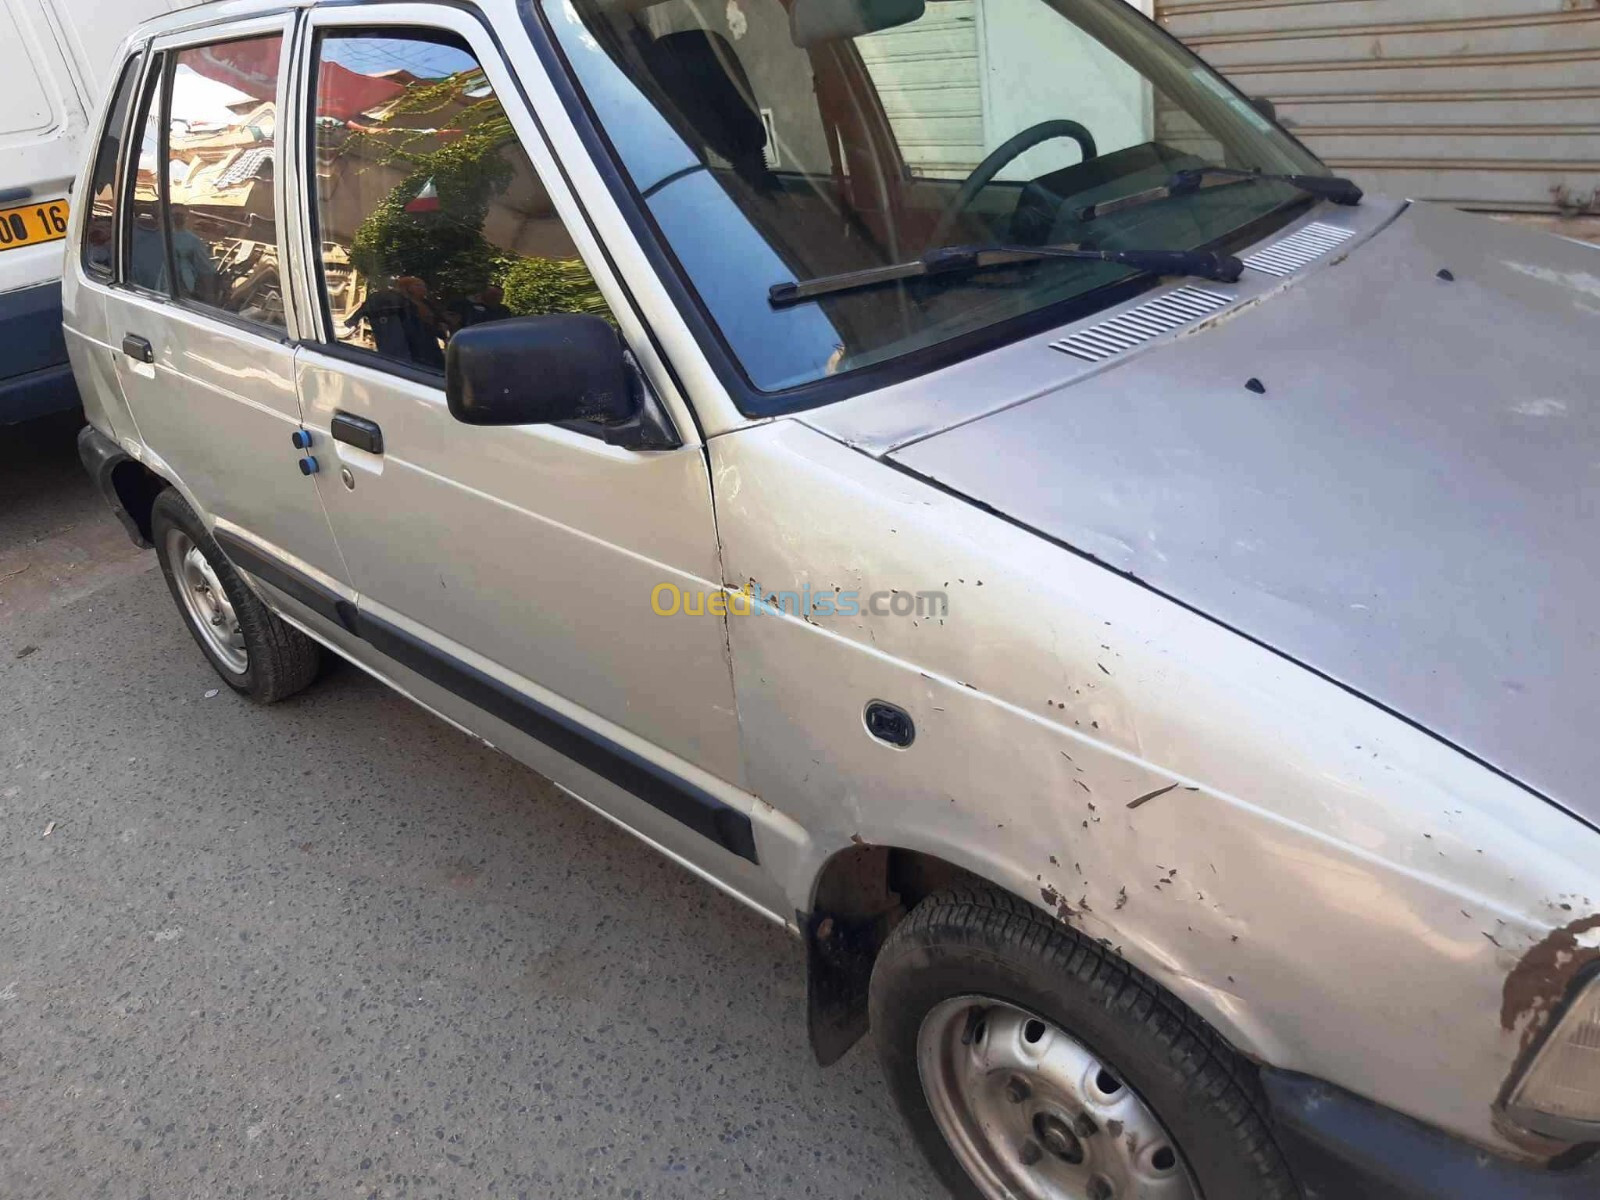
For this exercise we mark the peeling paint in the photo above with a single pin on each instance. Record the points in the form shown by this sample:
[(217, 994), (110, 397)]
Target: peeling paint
[(1149, 796), (1538, 983)]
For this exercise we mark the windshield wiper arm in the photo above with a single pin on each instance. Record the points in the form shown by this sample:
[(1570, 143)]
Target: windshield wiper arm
[(1183, 183), (1205, 264)]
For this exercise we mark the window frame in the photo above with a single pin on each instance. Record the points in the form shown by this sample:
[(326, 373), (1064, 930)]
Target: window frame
[(130, 71)]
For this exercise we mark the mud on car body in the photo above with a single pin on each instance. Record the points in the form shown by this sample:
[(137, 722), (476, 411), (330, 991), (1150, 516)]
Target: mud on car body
[(1225, 830)]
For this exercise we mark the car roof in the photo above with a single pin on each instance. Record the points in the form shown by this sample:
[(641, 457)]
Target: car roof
[(199, 15)]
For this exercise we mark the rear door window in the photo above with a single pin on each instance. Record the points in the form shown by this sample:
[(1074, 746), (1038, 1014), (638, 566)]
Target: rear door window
[(221, 162), (99, 228)]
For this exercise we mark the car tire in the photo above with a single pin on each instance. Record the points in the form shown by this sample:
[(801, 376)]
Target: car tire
[(255, 652), (1072, 1072)]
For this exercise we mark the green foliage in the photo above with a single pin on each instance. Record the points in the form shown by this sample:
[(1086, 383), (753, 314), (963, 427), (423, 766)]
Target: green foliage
[(536, 286), (468, 166)]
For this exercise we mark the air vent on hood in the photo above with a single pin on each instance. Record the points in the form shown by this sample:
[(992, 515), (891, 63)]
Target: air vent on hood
[(1288, 256), (1138, 325)]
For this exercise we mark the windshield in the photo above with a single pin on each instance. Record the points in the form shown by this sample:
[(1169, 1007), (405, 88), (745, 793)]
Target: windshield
[(778, 140)]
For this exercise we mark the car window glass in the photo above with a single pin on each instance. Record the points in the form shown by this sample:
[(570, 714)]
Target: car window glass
[(221, 149), (146, 247), (430, 216), (102, 192)]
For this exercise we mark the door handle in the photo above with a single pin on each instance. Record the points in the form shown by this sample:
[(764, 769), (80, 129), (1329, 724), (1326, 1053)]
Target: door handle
[(358, 432), (137, 348)]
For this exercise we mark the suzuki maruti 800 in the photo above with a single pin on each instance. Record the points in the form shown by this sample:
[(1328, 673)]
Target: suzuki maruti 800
[(957, 476)]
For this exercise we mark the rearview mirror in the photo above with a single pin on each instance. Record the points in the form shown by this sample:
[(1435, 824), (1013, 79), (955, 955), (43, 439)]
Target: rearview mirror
[(812, 22), (1265, 107), (538, 371)]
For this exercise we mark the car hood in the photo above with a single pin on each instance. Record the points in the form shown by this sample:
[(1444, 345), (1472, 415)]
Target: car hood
[(1408, 507)]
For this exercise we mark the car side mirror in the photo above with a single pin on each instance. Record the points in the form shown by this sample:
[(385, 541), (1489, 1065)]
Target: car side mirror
[(1265, 107), (540, 371)]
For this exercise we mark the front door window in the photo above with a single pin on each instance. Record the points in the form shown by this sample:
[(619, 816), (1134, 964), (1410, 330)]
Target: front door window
[(430, 217)]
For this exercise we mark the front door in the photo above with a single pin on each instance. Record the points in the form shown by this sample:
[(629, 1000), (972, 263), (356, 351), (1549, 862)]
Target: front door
[(198, 325), (513, 561)]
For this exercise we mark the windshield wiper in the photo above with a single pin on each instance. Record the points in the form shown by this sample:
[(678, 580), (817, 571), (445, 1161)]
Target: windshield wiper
[(1183, 183), (1205, 264)]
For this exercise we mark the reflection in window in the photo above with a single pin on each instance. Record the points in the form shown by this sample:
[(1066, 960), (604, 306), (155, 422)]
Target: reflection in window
[(97, 230), (430, 215), (220, 160)]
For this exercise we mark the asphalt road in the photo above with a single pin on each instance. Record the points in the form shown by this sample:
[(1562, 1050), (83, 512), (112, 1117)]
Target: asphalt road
[(334, 948)]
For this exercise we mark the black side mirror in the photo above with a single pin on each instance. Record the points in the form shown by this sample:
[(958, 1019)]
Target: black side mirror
[(1265, 107), (538, 371)]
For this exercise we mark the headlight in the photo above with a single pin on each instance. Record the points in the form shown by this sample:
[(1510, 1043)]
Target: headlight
[(1559, 1093)]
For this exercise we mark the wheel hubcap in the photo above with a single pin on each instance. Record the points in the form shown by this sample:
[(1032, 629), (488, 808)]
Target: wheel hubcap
[(1031, 1112), (206, 602)]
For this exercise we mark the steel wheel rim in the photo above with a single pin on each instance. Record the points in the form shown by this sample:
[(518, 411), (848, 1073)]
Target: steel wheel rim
[(1032, 1114), (206, 602)]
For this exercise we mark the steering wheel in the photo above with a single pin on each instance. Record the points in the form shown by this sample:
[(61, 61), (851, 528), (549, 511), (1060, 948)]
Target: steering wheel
[(1000, 157)]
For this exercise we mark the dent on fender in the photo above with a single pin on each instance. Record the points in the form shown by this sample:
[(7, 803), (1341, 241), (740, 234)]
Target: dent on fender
[(1244, 854)]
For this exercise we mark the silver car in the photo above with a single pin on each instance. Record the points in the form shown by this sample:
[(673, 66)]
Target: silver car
[(957, 476)]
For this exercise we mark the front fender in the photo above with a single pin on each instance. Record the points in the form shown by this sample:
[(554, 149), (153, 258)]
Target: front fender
[(1338, 893)]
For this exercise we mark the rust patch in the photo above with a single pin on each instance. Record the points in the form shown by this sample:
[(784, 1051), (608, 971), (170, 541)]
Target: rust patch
[(1539, 980), (1063, 906)]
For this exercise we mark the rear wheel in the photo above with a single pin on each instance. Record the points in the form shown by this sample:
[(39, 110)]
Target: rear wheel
[(254, 652), (1032, 1063)]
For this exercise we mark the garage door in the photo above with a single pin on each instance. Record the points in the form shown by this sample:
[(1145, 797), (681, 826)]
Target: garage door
[(927, 73), (1482, 103)]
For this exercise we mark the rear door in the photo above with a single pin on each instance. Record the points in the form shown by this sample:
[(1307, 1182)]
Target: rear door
[(202, 334)]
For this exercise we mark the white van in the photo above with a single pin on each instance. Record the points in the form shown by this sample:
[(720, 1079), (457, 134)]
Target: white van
[(54, 56)]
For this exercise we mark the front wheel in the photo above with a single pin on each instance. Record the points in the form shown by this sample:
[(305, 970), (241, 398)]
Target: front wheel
[(1030, 1062), (254, 652)]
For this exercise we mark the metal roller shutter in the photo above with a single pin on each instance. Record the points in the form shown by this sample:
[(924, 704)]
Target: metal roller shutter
[(927, 74), (1491, 104)]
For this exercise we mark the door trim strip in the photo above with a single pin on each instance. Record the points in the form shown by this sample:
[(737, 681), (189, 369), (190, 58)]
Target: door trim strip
[(664, 790)]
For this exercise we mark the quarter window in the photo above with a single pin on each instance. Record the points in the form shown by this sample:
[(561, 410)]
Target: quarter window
[(141, 225), (430, 216), (221, 152), (99, 227)]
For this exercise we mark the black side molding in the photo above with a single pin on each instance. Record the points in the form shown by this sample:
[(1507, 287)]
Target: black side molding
[(680, 799), (287, 580)]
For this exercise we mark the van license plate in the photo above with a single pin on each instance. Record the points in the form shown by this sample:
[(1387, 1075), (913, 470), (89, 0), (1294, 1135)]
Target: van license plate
[(33, 223)]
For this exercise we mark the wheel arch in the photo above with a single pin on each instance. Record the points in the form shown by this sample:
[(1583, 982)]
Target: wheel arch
[(136, 487), (129, 486), (859, 895), (862, 892)]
